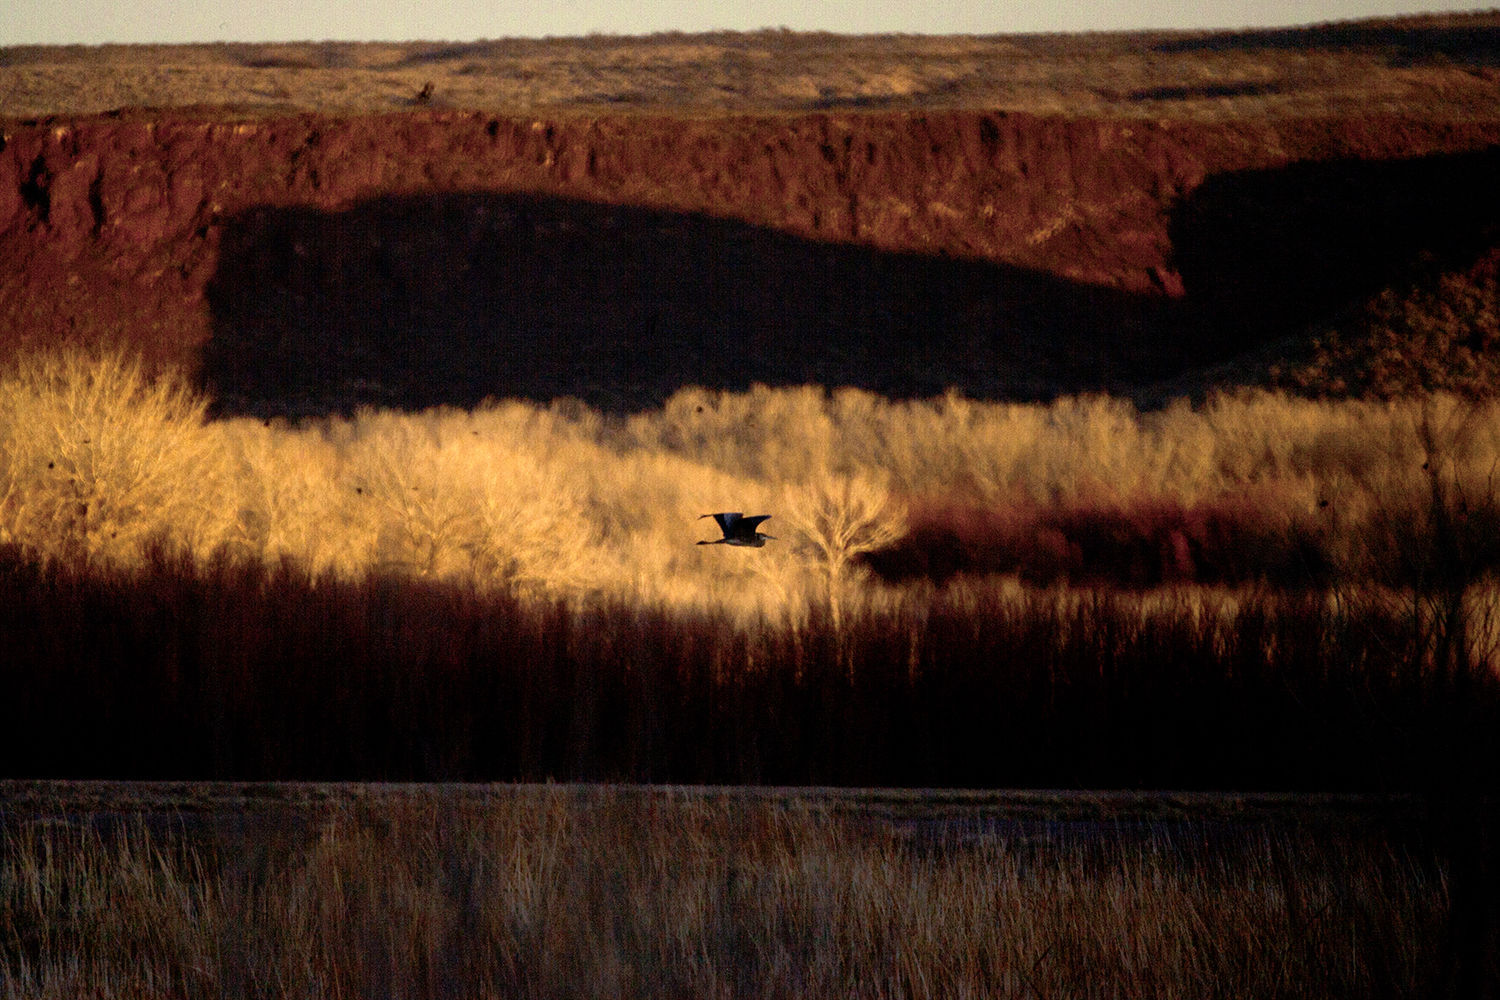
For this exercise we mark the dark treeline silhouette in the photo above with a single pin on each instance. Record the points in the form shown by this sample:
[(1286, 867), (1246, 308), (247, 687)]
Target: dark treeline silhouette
[(1138, 546), (412, 301), (236, 671)]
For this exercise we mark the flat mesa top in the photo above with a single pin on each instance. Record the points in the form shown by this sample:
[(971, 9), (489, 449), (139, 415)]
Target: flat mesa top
[(1433, 66)]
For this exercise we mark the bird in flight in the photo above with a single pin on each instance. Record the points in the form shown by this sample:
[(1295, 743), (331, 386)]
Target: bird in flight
[(739, 529)]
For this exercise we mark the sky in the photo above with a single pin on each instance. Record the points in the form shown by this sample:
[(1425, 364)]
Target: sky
[(93, 22)]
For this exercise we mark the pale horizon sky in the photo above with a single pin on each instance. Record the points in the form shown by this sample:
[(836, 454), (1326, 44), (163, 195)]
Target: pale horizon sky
[(93, 22)]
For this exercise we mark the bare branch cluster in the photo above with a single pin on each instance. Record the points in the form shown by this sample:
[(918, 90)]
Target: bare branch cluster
[(97, 455)]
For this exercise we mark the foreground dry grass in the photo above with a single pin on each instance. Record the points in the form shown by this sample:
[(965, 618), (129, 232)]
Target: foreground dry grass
[(1434, 67), (592, 893)]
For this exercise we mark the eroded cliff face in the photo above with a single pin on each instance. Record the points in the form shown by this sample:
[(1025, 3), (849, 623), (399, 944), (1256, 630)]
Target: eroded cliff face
[(174, 231)]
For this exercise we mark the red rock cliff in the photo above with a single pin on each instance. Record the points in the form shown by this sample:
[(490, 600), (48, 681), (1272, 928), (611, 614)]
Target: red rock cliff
[(111, 226)]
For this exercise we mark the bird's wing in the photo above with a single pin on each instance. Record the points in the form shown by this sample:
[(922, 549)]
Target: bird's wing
[(751, 523), (727, 520)]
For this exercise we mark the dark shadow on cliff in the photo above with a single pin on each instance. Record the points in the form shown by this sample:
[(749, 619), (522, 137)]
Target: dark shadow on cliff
[(416, 301), (1267, 252), (447, 299)]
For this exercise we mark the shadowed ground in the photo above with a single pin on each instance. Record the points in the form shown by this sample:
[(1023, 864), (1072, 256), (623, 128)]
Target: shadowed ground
[(414, 301)]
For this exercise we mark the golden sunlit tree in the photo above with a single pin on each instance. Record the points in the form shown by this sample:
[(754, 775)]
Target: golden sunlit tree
[(838, 518)]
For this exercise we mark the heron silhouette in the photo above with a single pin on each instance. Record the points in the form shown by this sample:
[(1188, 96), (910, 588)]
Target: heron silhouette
[(739, 529)]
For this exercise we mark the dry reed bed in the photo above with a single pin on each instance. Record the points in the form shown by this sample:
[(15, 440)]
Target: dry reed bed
[(230, 669), (556, 893)]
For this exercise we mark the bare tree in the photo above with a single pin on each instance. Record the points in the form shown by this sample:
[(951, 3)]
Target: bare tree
[(838, 518)]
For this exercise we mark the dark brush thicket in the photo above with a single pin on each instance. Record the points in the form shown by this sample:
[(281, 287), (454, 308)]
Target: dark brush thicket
[(1144, 544), (235, 671)]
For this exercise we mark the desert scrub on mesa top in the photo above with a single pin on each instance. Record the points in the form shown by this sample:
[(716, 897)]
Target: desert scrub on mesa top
[(98, 457)]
